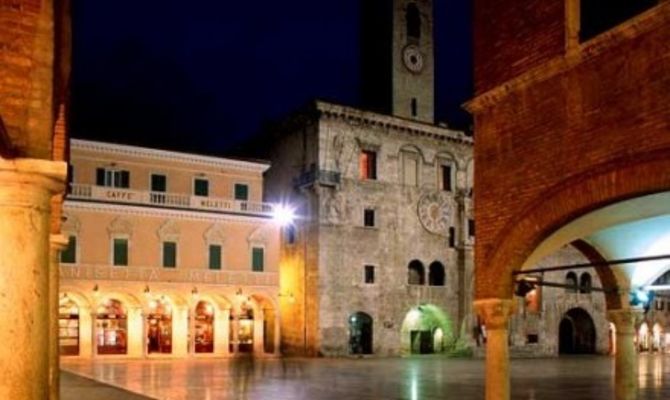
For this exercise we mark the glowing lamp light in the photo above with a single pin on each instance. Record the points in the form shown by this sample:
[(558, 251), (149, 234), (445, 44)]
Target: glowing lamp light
[(642, 298), (283, 215)]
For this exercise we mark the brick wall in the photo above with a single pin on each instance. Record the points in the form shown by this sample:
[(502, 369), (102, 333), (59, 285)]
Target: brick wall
[(27, 63), (512, 36), (590, 129)]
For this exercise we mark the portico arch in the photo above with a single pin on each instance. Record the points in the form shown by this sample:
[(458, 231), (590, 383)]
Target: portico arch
[(267, 331), (545, 224), (590, 208), (426, 329)]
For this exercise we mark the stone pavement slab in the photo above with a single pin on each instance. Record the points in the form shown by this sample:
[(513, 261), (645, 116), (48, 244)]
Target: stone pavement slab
[(74, 387), (416, 378)]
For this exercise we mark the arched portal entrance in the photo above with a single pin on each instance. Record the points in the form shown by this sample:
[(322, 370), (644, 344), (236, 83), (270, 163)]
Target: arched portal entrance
[(204, 327), (360, 333), (577, 333), (111, 328), (68, 327), (159, 327), (426, 329)]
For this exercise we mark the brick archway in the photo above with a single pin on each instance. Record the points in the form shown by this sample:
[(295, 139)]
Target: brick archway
[(536, 220)]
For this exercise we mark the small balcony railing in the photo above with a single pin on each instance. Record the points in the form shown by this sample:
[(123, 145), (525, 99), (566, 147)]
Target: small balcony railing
[(319, 176), (170, 200)]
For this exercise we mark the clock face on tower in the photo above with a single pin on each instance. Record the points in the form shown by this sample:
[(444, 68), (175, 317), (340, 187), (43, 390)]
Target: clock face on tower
[(435, 213), (412, 58)]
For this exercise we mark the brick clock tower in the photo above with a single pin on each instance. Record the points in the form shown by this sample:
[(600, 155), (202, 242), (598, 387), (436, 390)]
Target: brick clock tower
[(398, 63)]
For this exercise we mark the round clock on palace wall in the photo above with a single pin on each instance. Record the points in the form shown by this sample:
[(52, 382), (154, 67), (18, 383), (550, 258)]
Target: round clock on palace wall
[(412, 58), (435, 213)]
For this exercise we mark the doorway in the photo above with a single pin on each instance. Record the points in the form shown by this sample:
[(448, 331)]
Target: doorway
[(360, 333), (576, 333)]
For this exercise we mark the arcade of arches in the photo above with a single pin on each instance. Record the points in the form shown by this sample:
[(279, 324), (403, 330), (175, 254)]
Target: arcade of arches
[(637, 227), (122, 324), (425, 329)]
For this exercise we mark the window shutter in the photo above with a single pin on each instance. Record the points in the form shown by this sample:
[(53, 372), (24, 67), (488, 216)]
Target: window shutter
[(169, 254), (120, 252), (125, 179), (214, 257), (100, 176), (241, 192), (257, 259), (69, 254)]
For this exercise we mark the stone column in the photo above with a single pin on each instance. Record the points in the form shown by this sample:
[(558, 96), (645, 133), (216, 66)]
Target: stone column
[(625, 359), (221, 332), (234, 325), (277, 334), (26, 188), (495, 314), (57, 243), (94, 333)]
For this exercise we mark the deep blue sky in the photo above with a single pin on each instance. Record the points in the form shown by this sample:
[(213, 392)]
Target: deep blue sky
[(203, 75)]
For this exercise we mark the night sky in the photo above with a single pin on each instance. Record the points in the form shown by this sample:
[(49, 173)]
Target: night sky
[(204, 76)]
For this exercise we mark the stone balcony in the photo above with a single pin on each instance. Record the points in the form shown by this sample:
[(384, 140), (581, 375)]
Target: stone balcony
[(101, 272), (168, 200)]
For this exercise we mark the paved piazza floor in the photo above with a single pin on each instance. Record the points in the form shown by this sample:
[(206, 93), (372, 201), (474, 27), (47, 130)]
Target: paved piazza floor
[(574, 378)]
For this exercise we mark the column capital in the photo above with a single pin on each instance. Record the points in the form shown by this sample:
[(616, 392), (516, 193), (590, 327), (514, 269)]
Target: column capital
[(495, 312), (47, 175), (625, 319), (58, 241)]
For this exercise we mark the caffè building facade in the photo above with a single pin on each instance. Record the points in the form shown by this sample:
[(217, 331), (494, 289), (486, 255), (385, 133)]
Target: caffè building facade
[(169, 255)]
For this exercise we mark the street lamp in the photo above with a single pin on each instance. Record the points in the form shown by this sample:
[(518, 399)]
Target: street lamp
[(283, 214)]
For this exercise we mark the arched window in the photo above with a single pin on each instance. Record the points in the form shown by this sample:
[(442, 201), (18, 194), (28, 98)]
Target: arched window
[(585, 283), (413, 21), (416, 273), (436, 274), (571, 282)]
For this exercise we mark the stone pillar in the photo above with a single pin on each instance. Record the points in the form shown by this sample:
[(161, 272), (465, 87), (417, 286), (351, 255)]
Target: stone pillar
[(26, 188), (94, 333), (180, 332), (495, 314), (258, 346), (221, 333), (234, 325), (277, 329), (57, 243), (222, 341), (625, 359)]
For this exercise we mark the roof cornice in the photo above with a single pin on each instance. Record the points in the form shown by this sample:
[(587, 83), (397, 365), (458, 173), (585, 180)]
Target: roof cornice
[(174, 156), (336, 111)]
